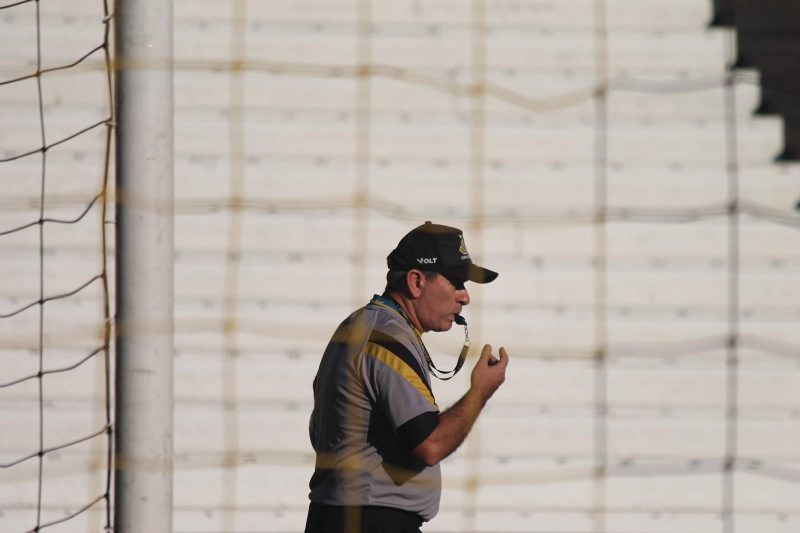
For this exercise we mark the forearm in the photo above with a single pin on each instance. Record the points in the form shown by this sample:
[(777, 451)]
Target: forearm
[(454, 424)]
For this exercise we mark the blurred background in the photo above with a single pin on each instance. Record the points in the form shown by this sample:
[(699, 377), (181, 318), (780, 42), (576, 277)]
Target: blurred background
[(628, 166)]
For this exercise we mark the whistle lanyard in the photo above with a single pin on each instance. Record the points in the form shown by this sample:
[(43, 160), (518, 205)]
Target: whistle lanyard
[(444, 375)]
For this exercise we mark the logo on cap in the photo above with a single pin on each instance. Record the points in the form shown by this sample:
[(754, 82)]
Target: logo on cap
[(462, 247)]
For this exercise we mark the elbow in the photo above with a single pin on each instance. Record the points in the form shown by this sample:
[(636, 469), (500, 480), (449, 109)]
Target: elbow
[(432, 449), (428, 453), (430, 461)]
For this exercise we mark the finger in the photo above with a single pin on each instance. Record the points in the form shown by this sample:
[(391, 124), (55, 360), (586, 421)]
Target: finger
[(486, 352), (503, 357)]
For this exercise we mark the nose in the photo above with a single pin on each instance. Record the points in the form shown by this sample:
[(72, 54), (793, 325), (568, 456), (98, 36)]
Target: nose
[(462, 296)]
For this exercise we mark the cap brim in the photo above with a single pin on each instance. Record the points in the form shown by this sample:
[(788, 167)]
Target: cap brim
[(472, 272), (479, 274)]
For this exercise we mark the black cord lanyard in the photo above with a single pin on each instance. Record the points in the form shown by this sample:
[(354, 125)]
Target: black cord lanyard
[(445, 374)]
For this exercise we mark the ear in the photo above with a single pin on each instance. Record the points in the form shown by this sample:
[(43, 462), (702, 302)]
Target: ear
[(415, 280)]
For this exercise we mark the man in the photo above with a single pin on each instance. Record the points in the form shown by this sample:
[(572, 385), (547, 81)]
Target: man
[(376, 428)]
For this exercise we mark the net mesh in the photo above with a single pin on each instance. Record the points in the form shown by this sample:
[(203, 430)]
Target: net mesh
[(55, 103)]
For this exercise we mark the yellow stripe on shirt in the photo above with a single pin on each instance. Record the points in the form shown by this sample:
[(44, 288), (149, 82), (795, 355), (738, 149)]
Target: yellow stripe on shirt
[(401, 367)]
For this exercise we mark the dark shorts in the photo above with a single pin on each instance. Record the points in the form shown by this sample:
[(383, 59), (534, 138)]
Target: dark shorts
[(366, 519)]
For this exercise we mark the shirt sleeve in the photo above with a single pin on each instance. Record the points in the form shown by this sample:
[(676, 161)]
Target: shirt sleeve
[(398, 387), (418, 428)]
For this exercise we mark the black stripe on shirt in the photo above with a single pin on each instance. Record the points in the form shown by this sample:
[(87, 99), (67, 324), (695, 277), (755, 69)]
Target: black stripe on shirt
[(400, 350)]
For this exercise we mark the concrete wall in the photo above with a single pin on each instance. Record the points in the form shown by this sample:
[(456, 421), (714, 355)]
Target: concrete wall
[(593, 155)]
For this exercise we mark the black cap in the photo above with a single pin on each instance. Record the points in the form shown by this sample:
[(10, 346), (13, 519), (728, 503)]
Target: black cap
[(437, 248)]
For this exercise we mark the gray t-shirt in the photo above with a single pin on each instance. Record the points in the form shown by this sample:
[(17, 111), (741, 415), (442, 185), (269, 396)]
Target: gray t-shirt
[(372, 405)]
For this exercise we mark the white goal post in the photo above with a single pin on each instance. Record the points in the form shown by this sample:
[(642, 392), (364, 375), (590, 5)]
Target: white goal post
[(144, 239)]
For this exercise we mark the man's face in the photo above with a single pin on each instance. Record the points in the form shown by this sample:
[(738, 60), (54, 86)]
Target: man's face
[(440, 301)]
